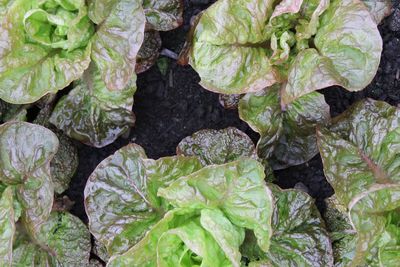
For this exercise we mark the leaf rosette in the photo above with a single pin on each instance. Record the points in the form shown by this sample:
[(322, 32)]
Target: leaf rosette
[(46, 46), (248, 45)]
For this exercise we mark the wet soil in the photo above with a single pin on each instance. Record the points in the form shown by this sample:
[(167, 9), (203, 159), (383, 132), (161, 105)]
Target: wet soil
[(172, 106)]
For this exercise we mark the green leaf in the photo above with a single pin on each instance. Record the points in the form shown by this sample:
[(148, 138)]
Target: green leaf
[(25, 79), (120, 195), (117, 41), (163, 15), (309, 72), (360, 153), (287, 135), (299, 237), (228, 236), (7, 226), (93, 114), (66, 238), (25, 154), (349, 38), (226, 50), (176, 240), (63, 240), (27, 254), (217, 146), (237, 188)]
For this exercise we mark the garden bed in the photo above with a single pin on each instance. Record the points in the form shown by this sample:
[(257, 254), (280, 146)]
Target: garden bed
[(172, 106)]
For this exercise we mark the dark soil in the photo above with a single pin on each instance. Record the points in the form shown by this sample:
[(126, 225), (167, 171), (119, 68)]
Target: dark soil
[(171, 107)]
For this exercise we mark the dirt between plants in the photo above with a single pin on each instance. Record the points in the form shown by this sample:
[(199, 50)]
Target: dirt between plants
[(172, 106)]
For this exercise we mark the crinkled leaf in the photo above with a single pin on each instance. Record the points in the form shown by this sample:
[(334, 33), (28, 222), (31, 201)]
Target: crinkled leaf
[(356, 53), (287, 6), (25, 79), (379, 9), (310, 71), (341, 232), (299, 237), (120, 195), (360, 148), (25, 154), (117, 41), (287, 136), (27, 254), (7, 226), (93, 114), (149, 52), (217, 146), (64, 164), (163, 15), (66, 238), (116, 201), (360, 154), (237, 188), (226, 51), (176, 240)]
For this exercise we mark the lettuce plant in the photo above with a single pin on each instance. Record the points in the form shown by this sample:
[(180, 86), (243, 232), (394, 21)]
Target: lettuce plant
[(201, 209), (96, 42), (91, 112), (30, 231), (360, 154), (248, 45)]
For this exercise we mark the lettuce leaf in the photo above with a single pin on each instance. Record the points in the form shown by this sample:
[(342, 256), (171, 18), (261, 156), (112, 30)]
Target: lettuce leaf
[(118, 39), (360, 157), (217, 146), (287, 134), (93, 114), (25, 154), (179, 240), (299, 236), (7, 226)]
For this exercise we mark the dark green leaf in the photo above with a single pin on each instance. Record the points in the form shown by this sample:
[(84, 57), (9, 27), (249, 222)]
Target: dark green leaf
[(299, 237), (217, 146), (25, 154), (163, 15), (287, 134), (93, 114)]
